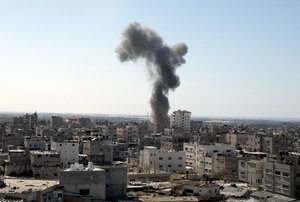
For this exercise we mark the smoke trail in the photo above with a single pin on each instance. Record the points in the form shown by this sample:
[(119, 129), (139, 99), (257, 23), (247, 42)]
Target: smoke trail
[(141, 42)]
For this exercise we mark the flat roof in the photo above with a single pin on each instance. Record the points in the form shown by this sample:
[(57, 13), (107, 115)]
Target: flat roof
[(169, 198), (23, 185), (49, 152)]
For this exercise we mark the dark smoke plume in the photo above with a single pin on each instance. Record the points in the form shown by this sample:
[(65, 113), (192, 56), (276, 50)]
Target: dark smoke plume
[(141, 42)]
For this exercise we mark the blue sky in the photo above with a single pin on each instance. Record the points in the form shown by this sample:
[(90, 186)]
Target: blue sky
[(59, 56)]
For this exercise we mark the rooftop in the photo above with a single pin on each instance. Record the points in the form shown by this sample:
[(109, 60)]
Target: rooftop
[(49, 152), (24, 185)]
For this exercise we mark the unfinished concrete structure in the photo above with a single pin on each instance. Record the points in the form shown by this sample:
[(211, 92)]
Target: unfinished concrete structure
[(98, 152), (45, 164), (18, 163), (173, 139)]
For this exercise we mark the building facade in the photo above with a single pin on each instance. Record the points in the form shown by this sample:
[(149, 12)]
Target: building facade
[(152, 159), (181, 119), (68, 150)]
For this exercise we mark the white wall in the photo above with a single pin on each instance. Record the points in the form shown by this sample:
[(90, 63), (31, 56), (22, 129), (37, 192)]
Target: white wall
[(152, 159), (69, 151)]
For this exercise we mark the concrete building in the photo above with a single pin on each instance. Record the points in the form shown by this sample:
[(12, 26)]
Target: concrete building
[(282, 174), (56, 122), (68, 149), (30, 120), (120, 151), (199, 157), (18, 163), (153, 159), (203, 191), (28, 189), (11, 139), (45, 164), (181, 119), (225, 165), (98, 152), (97, 183), (251, 171), (34, 143), (173, 139)]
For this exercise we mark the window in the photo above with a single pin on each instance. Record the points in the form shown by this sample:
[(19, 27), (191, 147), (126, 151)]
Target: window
[(277, 172), (285, 174), (84, 191), (180, 157), (160, 158), (179, 166), (170, 166), (169, 158)]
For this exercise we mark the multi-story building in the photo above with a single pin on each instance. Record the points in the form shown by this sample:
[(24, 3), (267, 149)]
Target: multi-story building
[(251, 171), (153, 159), (173, 139), (45, 164), (120, 151), (28, 120), (181, 119), (56, 122), (282, 174), (225, 166), (68, 149), (34, 143), (98, 183), (18, 163), (98, 151), (199, 157), (11, 140)]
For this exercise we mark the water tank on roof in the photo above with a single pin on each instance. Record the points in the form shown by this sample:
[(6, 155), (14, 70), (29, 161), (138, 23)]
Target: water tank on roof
[(81, 167), (76, 166), (90, 165)]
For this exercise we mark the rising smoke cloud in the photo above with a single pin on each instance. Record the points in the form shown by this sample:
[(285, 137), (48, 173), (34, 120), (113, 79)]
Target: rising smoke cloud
[(142, 42)]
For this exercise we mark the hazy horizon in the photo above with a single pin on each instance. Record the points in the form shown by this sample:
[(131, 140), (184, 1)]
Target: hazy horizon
[(60, 56), (145, 116)]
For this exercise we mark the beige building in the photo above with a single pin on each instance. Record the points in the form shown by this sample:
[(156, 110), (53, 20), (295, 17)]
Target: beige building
[(28, 189), (282, 174), (152, 159), (45, 164), (181, 119), (18, 163), (199, 157), (98, 152), (251, 171), (173, 139), (96, 183)]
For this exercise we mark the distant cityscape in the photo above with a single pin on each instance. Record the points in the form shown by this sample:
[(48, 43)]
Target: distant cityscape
[(65, 157)]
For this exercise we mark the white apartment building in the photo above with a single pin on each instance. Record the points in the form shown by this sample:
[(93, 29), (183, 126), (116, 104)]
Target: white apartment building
[(199, 157), (153, 159), (68, 149), (181, 119)]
